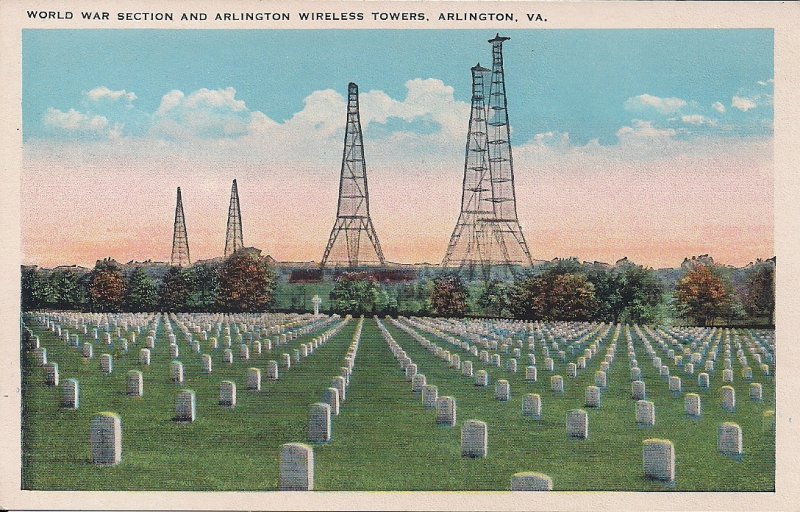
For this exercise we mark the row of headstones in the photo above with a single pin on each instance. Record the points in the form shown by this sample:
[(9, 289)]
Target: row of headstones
[(444, 329), (296, 469), (512, 364), (705, 355), (320, 415), (474, 433), (135, 380)]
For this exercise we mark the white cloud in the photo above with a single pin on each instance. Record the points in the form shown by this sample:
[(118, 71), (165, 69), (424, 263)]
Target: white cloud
[(104, 93), (644, 130), (662, 105), (202, 114), (698, 120), (742, 103), (74, 122), (719, 107)]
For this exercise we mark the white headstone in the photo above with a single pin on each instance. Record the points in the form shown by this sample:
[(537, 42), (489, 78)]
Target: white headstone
[(207, 363), (474, 439), (466, 368), (638, 390), (177, 372), (106, 366), (446, 411), (702, 380), (592, 396), (530, 373), (659, 459), (692, 404), (254, 379), (417, 381), (481, 378), (296, 468), (227, 393), (502, 390), (185, 408), (70, 394), (88, 350), (430, 394), (331, 397), (340, 384), (105, 439), (756, 392), (728, 398), (729, 439), (675, 384), (645, 413), (319, 423), (272, 370), (600, 379), (557, 383), (135, 383), (577, 424), (531, 481), (51, 374), (532, 405)]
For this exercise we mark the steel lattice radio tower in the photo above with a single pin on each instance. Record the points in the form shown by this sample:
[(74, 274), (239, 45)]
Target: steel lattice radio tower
[(353, 221), (465, 247), (180, 242), (233, 235), (493, 233)]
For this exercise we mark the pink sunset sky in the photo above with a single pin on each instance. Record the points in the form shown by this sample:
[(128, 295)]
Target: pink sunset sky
[(651, 197)]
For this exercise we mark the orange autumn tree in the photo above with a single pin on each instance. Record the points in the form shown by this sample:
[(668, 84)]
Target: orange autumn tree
[(246, 283), (106, 286), (703, 295)]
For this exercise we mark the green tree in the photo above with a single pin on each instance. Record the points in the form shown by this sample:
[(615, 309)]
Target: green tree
[(449, 295), (493, 299), (28, 283), (175, 290), (142, 294), (355, 293), (703, 295), (205, 285), (68, 291), (759, 296), (106, 288), (246, 283)]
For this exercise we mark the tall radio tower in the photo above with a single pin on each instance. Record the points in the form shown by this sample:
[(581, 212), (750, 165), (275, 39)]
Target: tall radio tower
[(464, 249), (353, 221), (493, 234), (180, 242), (233, 235)]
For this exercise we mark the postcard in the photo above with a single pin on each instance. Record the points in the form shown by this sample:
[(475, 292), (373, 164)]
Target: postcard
[(399, 255)]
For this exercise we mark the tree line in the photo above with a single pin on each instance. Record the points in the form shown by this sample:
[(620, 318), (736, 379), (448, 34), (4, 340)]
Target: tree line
[(705, 294), (242, 283)]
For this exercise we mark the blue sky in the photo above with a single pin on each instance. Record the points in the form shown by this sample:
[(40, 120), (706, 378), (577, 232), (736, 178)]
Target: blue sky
[(574, 81), (651, 144)]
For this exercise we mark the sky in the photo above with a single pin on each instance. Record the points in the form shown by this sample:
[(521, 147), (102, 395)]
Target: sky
[(650, 144)]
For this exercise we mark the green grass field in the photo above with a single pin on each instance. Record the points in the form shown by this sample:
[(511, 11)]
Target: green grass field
[(383, 439)]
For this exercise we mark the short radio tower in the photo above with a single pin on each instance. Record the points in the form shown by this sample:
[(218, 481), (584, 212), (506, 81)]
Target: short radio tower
[(352, 216), (488, 232), (233, 235), (465, 247), (180, 242)]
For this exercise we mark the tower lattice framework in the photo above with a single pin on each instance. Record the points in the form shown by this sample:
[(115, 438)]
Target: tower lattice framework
[(233, 234), (180, 241), (464, 249), (495, 236), (353, 240)]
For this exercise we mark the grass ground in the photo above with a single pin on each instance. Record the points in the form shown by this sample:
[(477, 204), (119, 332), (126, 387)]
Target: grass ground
[(383, 439)]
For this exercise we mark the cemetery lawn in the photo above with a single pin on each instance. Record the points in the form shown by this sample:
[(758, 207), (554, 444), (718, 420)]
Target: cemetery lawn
[(383, 438)]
